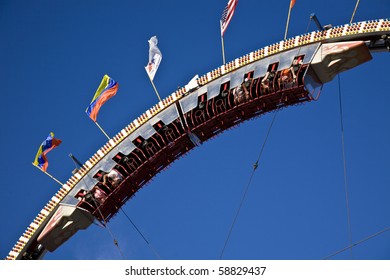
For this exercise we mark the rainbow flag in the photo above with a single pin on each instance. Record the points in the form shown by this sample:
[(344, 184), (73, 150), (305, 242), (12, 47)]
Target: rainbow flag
[(49, 144), (107, 89)]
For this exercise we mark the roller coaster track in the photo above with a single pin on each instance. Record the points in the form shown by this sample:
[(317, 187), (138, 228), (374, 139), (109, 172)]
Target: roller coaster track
[(188, 117)]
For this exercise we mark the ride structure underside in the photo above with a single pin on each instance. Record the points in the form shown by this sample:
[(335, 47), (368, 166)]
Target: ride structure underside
[(287, 73)]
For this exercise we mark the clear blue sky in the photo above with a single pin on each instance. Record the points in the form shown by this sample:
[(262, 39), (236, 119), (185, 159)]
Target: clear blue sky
[(53, 56)]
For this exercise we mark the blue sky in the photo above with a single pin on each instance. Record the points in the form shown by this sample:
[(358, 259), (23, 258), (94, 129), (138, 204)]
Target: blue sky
[(53, 56)]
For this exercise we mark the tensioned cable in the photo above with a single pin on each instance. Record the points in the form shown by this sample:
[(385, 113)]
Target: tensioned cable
[(104, 220), (75, 161), (108, 228), (357, 243), (255, 165), (307, 28), (345, 169), (140, 233)]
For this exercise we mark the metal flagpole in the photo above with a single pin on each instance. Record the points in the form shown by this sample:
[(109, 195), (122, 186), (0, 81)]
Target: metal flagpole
[(102, 130), (51, 176), (75, 160), (153, 86), (353, 14), (288, 22), (223, 45)]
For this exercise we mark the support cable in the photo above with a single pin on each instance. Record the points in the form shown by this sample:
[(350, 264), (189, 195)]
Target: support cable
[(77, 163), (345, 169), (140, 233), (108, 228), (104, 220), (255, 165), (307, 29), (357, 243)]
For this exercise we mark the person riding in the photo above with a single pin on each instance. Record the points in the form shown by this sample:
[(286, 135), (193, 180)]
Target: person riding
[(241, 92), (114, 177), (288, 77), (268, 81)]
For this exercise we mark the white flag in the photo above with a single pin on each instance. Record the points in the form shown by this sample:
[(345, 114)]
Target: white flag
[(155, 57)]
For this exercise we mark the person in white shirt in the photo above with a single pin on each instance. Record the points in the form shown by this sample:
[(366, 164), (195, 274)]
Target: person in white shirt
[(114, 177)]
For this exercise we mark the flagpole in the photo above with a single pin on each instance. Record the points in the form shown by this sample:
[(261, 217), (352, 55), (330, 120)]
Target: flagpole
[(75, 160), (223, 45), (51, 176), (354, 11), (288, 22), (102, 130), (154, 87)]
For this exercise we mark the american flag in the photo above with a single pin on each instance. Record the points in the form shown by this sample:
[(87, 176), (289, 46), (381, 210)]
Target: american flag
[(227, 15)]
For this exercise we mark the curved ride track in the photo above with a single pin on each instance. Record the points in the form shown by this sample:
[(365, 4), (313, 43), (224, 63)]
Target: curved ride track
[(190, 116)]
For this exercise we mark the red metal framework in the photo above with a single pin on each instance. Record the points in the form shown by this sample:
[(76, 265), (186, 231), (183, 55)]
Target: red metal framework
[(171, 141), (205, 119)]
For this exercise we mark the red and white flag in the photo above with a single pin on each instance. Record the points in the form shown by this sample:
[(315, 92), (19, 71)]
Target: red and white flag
[(227, 15), (155, 57)]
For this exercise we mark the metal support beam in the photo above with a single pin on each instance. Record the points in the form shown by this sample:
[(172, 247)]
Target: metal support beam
[(314, 17)]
